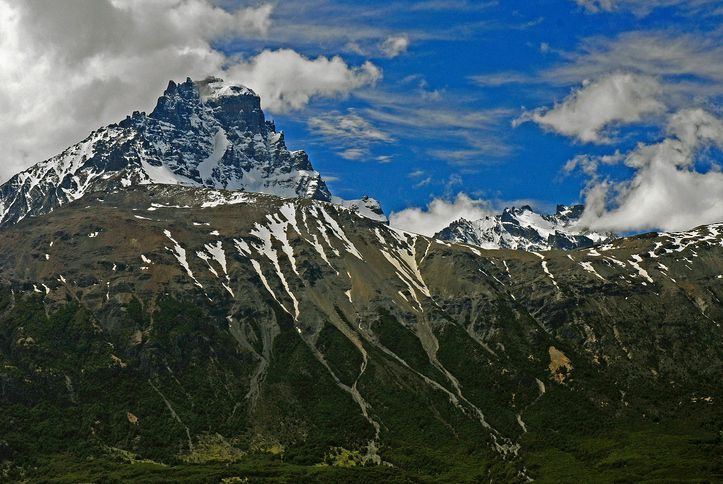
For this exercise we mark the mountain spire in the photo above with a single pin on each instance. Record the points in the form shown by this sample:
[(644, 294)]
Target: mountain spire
[(206, 133)]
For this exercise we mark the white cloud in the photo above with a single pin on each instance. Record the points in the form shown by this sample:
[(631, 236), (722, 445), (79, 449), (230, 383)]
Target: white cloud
[(642, 8), (691, 62), (481, 152), (348, 125), (642, 77), (69, 67), (589, 163), (595, 6), (353, 153), (470, 134), (439, 213), (667, 191), (394, 45), (501, 79), (348, 132), (423, 183), (433, 118), (618, 98), (286, 80)]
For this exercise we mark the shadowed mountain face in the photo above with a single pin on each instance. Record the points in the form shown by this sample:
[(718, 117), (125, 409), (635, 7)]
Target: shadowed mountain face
[(200, 134), (522, 228), (192, 326)]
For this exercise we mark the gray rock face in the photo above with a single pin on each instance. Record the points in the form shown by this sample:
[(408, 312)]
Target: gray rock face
[(523, 228), (200, 134)]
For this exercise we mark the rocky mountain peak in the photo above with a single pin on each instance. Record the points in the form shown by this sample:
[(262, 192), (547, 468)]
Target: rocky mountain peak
[(187, 104), (523, 228), (569, 212), (215, 87), (201, 133), (366, 206)]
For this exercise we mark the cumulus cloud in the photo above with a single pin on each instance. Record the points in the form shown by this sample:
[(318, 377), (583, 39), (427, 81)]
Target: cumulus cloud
[(69, 67), (589, 163), (439, 213), (618, 98), (395, 45), (643, 77), (667, 191), (286, 80)]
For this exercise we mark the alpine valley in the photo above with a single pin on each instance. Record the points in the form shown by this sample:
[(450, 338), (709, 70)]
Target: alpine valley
[(183, 299)]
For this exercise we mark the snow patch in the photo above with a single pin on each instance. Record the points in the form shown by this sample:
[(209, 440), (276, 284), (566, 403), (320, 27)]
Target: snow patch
[(180, 254)]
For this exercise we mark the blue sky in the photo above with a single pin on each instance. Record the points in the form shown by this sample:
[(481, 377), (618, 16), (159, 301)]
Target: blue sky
[(438, 108), (447, 103)]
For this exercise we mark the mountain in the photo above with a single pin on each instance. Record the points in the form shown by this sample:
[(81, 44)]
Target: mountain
[(171, 333), (365, 206), (182, 299), (205, 133), (523, 228)]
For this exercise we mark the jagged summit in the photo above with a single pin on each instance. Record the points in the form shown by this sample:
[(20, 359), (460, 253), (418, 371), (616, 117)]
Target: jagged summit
[(205, 133), (187, 104), (523, 228), (214, 88), (365, 206)]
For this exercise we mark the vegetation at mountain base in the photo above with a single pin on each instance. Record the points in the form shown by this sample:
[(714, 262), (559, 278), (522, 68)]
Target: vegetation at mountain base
[(125, 358)]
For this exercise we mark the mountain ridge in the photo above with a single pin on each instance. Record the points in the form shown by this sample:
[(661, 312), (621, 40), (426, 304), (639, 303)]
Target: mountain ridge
[(208, 331), (197, 296), (523, 228)]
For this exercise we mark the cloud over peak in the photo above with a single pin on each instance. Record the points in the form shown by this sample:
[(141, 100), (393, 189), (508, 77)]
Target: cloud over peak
[(667, 191), (70, 67), (287, 80), (439, 213)]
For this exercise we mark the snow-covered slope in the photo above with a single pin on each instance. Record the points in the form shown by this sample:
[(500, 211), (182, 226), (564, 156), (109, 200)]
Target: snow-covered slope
[(204, 133), (365, 206), (523, 228)]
